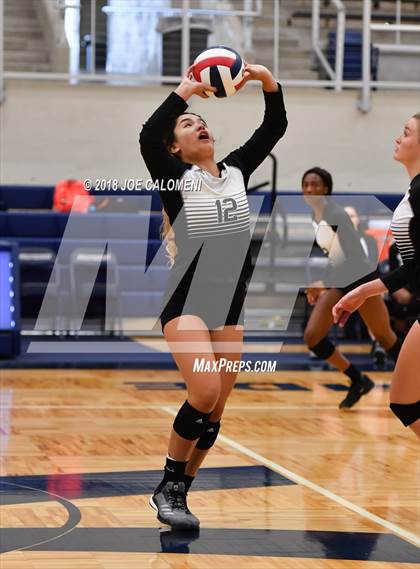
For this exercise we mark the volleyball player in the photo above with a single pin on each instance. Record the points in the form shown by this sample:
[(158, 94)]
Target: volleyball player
[(337, 237), (204, 309), (405, 226)]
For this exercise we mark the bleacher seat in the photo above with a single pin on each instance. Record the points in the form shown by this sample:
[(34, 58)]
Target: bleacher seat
[(94, 274), (353, 46), (356, 15), (26, 197), (32, 225), (41, 197), (83, 226), (134, 240)]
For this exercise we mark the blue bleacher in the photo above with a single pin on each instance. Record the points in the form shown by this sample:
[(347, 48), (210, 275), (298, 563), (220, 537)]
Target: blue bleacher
[(81, 226), (29, 197), (41, 197), (37, 197), (134, 239), (353, 45)]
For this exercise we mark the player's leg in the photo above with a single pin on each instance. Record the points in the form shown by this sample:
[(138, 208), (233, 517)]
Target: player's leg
[(227, 344), (405, 386), (188, 342), (375, 315), (318, 326), (316, 339)]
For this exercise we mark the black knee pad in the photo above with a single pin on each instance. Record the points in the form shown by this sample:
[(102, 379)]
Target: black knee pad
[(190, 423), (324, 349), (407, 413), (208, 438)]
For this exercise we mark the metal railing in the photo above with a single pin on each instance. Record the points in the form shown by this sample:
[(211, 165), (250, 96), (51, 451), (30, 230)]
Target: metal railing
[(1, 51), (397, 47), (337, 74), (186, 12), (252, 9)]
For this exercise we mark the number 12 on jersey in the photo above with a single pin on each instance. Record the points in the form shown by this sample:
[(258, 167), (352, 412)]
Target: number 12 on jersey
[(225, 209)]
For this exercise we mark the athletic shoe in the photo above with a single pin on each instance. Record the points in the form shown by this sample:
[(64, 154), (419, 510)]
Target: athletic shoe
[(175, 541), (379, 355), (312, 356), (170, 504), (356, 390)]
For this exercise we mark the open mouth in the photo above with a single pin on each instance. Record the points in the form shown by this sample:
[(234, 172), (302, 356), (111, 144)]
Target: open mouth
[(203, 136)]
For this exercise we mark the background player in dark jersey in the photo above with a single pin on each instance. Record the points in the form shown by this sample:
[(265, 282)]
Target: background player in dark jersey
[(405, 226), (337, 237), (203, 307)]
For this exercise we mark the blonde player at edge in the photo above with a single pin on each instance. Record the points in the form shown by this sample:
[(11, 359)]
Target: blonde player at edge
[(405, 227)]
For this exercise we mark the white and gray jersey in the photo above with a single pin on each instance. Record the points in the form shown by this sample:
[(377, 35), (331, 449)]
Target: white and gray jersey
[(210, 215), (405, 227), (217, 206), (400, 227)]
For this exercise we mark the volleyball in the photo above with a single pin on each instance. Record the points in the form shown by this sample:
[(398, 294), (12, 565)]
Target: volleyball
[(221, 67)]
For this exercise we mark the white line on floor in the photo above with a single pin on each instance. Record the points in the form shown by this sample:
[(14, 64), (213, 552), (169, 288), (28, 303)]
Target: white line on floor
[(411, 537), (302, 408), (85, 407)]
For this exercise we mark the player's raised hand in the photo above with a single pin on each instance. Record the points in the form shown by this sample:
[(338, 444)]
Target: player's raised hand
[(189, 86), (255, 72)]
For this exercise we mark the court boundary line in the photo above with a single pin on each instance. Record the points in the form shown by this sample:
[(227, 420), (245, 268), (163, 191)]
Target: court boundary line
[(159, 406), (404, 534), (61, 500)]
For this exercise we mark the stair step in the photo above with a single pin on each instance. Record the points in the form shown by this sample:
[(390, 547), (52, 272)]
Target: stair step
[(11, 14), (24, 17), (12, 57), (19, 34), (17, 44), (28, 67), (22, 26), (266, 38), (24, 42), (298, 74)]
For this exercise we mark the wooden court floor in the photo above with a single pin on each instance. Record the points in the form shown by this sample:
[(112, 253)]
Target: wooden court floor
[(292, 483)]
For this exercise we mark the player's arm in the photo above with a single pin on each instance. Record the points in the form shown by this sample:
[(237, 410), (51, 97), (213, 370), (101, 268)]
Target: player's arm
[(354, 299), (395, 280), (249, 156), (401, 277), (349, 263), (346, 251), (160, 163), (316, 288), (414, 200)]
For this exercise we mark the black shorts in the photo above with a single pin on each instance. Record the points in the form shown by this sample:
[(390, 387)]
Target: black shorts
[(205, 305), (366, 279)]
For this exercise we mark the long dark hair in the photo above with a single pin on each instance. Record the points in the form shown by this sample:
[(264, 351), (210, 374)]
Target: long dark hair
[(166, 232)]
